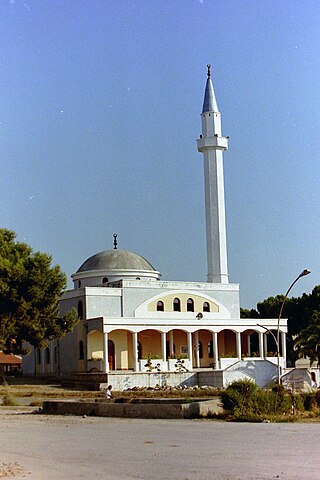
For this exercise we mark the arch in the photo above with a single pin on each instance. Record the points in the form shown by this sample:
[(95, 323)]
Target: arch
[(150, 341), (81, 350), (160, 306), (80, 309), (190, 305), (227, 345), (206, 307), (105, 280), (176, 304)]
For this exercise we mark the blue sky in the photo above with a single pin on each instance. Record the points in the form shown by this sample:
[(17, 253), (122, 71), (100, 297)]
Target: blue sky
[(99, 114)]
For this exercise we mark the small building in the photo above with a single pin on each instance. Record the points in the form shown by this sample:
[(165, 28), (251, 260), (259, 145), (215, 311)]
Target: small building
[(10, 364), (133, 324)]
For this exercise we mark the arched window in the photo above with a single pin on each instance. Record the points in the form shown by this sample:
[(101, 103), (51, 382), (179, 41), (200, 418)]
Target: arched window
[(160, 306), (80, 310), (176, 305), (190, 305), (79, 283), (206, 307), (105, 280), (47, 355), (81, 350)]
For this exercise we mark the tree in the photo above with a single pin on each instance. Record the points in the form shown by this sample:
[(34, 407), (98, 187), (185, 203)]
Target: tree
[(29, 294), (308, 342)]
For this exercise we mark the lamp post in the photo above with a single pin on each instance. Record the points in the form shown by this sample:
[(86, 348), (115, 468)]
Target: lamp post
[(302, 274)]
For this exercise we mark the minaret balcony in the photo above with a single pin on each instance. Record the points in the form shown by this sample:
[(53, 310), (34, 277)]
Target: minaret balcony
[(220, 143)]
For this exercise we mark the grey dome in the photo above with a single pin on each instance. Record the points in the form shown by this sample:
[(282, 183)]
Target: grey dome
[(115, 260)]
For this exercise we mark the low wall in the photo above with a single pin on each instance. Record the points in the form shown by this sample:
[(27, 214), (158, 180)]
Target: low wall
[(164, 409)]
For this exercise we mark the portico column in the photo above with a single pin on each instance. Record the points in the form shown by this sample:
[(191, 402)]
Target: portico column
[(42, 370), (171, 344), (135, 352), (190, 349), (105, 353), (265, 341), (215, 349), (196, 341), (261, 352), (284, 347), (249, 344), (238, 334), (164, 346)]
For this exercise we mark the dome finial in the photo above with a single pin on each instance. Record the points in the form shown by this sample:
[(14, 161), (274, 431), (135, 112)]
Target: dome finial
[(115, 243), (209, 70)]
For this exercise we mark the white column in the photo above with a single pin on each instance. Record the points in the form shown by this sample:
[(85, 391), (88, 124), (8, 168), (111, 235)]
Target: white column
[(215, 350), (238, 335), (196, 341), (135, 351), (190, 354), (164, 346), (284, 347), (105, 352), (171, 343), (265, 341), (249, 345), (43, 360), (261, 350)]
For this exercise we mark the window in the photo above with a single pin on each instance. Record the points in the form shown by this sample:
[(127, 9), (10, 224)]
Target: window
[(79, 283), (176, 305), (200, 349), (81, 350), (190, 305), (39, 356), (206, 307), (160, 306), (105, 280), (80, 310), (47, 355)]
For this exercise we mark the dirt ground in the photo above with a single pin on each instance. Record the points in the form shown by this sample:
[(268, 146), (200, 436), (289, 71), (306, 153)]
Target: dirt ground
[(39, 447)]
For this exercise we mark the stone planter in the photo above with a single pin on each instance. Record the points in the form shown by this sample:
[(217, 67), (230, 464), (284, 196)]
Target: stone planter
[(227, 361), (172, 362), (154, 362), (95, 365)]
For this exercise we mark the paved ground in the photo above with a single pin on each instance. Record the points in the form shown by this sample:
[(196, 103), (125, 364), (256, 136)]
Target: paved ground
[(121, 449)]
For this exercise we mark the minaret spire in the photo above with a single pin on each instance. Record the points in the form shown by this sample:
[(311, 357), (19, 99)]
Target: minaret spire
[(212, 144), (209, 102)]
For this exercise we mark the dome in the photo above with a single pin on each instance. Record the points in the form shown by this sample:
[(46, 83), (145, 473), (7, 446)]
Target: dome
[(115, 260), (109, 266)]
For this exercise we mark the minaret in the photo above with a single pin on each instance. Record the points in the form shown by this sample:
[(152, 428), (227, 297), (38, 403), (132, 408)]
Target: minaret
[(212, 144)]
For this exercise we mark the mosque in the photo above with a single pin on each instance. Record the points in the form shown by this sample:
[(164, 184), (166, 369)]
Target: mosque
[(136, 329)]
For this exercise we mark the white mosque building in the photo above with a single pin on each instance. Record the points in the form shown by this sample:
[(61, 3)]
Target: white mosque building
[(136, 329)]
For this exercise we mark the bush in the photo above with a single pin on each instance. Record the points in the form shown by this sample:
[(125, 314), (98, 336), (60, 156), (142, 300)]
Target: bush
[(244, 400)]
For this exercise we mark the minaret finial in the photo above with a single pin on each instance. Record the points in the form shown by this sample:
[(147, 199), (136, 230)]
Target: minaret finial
[(115, 243), (209, 70)]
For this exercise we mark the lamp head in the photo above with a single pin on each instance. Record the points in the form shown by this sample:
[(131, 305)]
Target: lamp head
[(306, 271)]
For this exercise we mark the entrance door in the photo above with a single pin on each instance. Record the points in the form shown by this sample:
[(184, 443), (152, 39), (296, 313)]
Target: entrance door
[(111, 357)]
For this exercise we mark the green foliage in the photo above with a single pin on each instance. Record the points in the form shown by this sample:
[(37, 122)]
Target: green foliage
[(308, 341), (29, 292), (244, 400)]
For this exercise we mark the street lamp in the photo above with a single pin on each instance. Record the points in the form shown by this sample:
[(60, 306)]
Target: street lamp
[(302, 274)]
